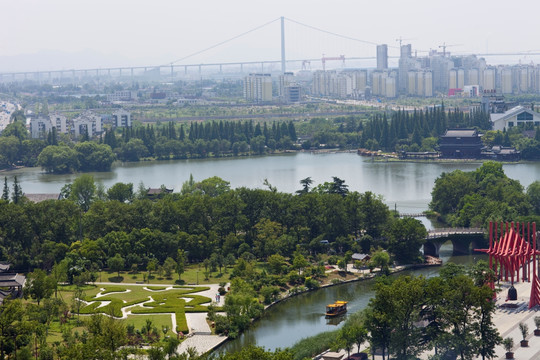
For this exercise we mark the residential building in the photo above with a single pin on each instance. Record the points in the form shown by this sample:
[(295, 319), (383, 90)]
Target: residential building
[(258, 87), (122, 95), (87, 122), (40, 126), (121, 118), (292, 93), (382, 57)]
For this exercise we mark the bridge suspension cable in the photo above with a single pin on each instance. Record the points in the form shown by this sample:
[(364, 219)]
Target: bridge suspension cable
[(335, 34), (222, 42)]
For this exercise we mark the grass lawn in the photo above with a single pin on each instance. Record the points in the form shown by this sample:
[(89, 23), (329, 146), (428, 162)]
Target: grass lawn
[(177, 300), (159, 321), (194, 274)]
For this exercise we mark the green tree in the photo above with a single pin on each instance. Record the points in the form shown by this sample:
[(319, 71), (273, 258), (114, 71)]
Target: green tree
[(58, 159), (116, 263), (180, 263), (380, 259), (94, 157), (17, 194), (39, 286), (169, 265), (5, 191), (121, 192), (83, 191), (406, 237)]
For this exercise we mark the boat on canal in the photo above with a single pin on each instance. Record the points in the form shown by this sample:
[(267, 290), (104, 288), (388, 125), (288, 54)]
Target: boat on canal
[(336, 309)]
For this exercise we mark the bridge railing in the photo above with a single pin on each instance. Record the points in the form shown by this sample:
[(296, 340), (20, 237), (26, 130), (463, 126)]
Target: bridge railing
[(442, 232)]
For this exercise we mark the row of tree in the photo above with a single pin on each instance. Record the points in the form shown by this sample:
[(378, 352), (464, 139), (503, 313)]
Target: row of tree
[(202, 139)]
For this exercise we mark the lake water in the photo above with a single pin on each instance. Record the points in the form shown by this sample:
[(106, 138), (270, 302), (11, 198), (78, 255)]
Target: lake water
[(405, 185)]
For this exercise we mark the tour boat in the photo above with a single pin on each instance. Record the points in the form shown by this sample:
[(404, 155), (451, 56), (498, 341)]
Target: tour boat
[(336, 309)]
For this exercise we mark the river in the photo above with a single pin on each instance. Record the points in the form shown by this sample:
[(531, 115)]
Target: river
[(302, 316)]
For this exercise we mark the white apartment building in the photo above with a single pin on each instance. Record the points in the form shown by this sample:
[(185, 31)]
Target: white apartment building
[(258, 87), (87, 122), (40, 126), (121, 118)]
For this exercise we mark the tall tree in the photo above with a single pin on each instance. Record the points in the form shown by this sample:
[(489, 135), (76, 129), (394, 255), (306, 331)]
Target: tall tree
[(17, 194), (5, 191)]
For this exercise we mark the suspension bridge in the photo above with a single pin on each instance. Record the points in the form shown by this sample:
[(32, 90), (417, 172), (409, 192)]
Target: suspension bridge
[(180, 67)]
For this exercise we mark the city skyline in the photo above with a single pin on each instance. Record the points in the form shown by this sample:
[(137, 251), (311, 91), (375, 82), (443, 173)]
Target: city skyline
[(130, 33)]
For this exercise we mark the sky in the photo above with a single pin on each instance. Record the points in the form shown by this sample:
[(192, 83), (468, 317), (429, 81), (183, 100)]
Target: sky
[(39, 34)]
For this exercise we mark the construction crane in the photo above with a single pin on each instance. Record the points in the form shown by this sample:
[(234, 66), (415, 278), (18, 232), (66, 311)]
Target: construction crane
[(402, 40), (340, 57), (444, 46), (305, 65)]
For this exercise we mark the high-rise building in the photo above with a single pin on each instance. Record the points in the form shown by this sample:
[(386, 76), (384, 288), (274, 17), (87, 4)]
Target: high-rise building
[(420, 83), (472, 77), (489, 79), (428, 84), (382, 57), (506, 80), (284, 80), (411, 83), (405, 51), (440, 66), (258, 87)]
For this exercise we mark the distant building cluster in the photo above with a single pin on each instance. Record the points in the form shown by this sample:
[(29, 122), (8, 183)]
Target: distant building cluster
[(87, 122), (415, 76)]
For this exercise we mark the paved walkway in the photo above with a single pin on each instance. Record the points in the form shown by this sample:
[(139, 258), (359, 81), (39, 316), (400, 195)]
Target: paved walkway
[(200, 338), (201, 343)]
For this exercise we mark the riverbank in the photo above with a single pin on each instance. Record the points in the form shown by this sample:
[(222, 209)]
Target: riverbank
[(331, 290)]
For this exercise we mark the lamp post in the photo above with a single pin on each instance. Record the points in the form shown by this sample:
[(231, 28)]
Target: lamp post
[(197, 277)]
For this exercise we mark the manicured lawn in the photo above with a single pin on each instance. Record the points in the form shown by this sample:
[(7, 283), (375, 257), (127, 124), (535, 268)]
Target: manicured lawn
[(177, 300), (159, 321), (194, 274)]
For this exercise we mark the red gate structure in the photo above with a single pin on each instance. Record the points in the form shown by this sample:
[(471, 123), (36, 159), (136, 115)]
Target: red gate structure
[(512, 249)]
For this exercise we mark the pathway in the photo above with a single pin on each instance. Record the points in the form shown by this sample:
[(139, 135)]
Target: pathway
[(200, 337)]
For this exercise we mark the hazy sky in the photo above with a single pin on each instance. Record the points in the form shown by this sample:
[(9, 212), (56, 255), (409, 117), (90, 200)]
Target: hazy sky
[(135, 32)]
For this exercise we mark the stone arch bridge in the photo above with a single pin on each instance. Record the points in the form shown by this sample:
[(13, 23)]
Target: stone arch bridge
[(462, 239)]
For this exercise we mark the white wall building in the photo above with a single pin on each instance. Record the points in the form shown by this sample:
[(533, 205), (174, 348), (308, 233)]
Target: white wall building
[(258, 87), (87, 121), (516, 116), (40, 126), (121, 118)]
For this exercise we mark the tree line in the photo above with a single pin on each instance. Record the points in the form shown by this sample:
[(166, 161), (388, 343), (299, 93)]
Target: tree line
[(201, 139), (418, 130)]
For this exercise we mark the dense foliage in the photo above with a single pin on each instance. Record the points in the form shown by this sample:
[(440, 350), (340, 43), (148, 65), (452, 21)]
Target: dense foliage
[(206, 218), (486, 194), (456, 308)]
